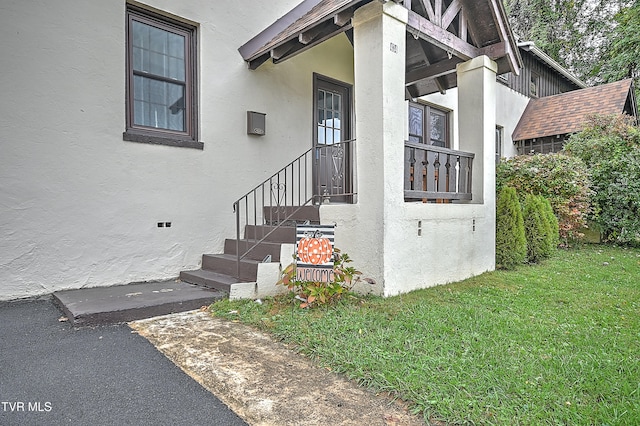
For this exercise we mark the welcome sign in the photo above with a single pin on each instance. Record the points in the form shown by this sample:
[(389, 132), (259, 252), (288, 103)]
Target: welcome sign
[(314, 253)]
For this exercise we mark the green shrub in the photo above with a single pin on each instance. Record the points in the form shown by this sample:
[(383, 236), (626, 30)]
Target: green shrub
[(537, 229), (554, 234), (318, 293), (511, 243), (562, 179), (610, 147)]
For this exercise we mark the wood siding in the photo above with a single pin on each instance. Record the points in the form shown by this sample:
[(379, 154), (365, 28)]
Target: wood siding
[(549, 81)]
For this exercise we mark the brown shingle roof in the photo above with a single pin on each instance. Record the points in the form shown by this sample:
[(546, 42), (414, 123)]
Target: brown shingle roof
[(565, 113)]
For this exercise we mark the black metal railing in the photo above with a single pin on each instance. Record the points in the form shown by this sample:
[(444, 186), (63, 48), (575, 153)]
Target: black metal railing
[(436, 174), (321, 174)]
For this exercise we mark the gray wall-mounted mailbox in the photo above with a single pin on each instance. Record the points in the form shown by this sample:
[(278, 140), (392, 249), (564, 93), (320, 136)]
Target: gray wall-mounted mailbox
[(256, 123)]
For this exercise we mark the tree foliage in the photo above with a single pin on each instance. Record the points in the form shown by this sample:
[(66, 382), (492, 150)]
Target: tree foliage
[(621, 56), (581, 35), (511, 243), (561, 179), (610, 146)]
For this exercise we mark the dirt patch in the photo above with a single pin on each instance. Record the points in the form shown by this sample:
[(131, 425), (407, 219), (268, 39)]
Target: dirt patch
[(262, 380)]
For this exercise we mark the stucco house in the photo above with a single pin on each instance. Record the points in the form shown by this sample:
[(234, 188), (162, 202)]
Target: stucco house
[(138, 135)]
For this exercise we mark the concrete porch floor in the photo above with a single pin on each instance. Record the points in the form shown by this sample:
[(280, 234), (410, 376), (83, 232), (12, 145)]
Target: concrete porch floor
[(107, 305)]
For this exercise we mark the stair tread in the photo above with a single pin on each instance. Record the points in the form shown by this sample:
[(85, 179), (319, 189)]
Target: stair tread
[(215, 276), (232, 257)]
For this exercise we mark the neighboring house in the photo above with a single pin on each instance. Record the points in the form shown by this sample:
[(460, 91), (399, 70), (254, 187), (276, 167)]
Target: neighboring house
[(547, 122), (134, 134)]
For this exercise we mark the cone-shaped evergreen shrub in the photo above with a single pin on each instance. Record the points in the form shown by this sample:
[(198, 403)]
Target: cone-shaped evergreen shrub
[(511, 244), (554, 226), (537, 229)]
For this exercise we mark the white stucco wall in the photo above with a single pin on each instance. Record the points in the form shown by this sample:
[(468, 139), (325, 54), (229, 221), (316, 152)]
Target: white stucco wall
[(78, 205), (509, 108)]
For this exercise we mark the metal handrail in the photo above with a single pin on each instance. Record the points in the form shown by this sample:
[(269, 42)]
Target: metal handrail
[(286, 192)]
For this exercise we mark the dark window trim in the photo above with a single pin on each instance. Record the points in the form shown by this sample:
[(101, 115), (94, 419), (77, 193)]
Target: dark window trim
[(134, 135), (534, 85), (426, 122), (318, 80), (143, 134)]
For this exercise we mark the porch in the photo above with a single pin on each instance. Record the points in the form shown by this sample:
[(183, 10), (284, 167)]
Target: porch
[(410, 215)]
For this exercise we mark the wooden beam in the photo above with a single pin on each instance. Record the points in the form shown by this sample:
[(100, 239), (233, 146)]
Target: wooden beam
[(438, 13), (343, 18), (281, 50), (430, 13), (495, 51), (440, 83), (462, 31), (438, 69), (450, 14), (299, 48), (309, 35), (441, 38), (500, 17), (408, 96), (254, 64)]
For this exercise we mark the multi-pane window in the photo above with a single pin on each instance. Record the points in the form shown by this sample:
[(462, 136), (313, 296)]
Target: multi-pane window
[(329, 119), (541, 145), (428, 125), (160, 76)]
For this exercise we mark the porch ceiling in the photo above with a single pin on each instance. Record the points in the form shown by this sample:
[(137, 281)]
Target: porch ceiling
[(440, 34)]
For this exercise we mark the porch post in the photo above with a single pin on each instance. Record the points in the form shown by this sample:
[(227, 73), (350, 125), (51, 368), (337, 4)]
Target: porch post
[(380, 111), (477, 123)]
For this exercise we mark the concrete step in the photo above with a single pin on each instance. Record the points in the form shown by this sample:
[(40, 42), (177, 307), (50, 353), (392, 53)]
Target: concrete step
[(107, 305), (258, 253), (227, 264), (284, 234), (209, 279), (291, 214)]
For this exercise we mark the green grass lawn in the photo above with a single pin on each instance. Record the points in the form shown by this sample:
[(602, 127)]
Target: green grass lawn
[(557, 343)]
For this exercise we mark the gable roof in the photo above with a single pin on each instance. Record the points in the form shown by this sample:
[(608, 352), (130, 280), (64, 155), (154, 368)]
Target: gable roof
[(566, 113)]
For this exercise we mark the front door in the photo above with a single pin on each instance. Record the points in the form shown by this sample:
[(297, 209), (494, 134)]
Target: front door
[(331, 140)]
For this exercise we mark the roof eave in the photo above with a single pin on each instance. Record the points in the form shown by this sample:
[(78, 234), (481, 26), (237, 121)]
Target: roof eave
[(531, 47), (251, 49)]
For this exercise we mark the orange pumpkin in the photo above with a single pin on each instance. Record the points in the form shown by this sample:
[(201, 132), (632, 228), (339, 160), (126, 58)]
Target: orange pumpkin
[(314, 250)]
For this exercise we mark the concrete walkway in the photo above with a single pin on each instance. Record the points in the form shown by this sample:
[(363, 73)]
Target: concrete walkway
[(262, 380), (54, 374)]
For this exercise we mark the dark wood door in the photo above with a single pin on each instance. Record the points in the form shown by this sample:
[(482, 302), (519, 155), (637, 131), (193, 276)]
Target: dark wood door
[(331, 140)]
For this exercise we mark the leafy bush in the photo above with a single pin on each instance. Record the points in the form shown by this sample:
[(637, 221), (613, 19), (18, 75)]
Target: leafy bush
[(561, 179), (317, 293), (537, 229), (511, 243), (610, 147)]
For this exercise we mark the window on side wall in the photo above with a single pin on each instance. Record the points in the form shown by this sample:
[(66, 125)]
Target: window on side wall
[(534, 85), (161, 80), (428, 125)]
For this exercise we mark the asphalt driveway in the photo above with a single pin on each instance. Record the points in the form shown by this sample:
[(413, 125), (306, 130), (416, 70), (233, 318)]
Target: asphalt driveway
[(53, 374)]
